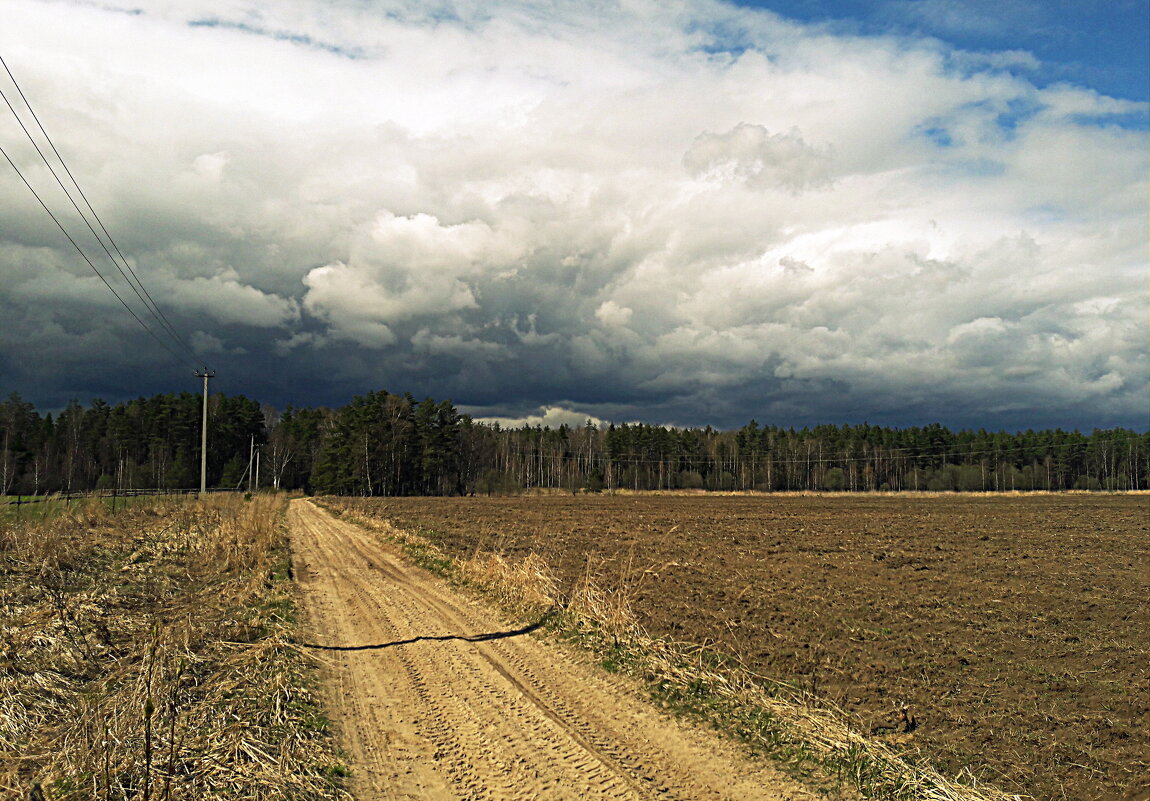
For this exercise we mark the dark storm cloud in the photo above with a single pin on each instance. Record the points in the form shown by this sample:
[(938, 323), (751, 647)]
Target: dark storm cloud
[(559, 214)]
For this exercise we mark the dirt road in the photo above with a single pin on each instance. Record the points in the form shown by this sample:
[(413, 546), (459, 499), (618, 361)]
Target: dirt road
[(437, 697)]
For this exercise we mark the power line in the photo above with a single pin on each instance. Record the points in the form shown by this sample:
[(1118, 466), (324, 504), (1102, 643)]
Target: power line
[(84, 256), (136, 287), (129, 276)]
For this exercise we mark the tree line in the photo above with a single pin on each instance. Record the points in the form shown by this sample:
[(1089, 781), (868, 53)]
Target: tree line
[(388, 444)]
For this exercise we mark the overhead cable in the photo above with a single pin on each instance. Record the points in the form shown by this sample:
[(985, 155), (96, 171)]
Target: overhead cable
[(84, 256), (121, 263)]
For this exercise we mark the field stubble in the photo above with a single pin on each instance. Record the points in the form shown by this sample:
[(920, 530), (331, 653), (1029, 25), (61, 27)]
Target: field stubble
[(147, 655), (1014, 630)]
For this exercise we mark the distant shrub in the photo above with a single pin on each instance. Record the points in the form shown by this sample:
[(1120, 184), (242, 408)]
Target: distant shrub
[(1088, 483), (690, 479), (834, 480)]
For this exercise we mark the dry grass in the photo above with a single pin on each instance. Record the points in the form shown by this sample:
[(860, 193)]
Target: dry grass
[(778, 719), (147, 656)]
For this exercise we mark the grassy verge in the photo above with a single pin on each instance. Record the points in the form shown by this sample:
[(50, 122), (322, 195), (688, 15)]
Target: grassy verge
[(147, 656), (810, 737), (32, 509)]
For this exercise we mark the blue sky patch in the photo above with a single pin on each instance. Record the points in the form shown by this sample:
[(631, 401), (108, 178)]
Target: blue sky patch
[(1104, 46), (936, 133)]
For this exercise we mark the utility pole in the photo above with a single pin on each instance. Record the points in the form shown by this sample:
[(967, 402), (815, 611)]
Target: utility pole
[(206, 374), (251, 461)]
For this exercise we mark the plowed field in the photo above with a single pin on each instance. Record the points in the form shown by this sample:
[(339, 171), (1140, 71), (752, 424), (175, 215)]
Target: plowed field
[(1016, 628)]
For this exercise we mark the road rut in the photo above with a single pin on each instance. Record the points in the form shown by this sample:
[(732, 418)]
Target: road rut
[(437, 697)]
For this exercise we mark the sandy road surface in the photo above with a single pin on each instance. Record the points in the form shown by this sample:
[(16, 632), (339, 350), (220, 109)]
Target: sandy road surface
[(437, 697)]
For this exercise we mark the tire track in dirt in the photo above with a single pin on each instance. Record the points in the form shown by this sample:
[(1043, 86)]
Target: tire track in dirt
[(436, 697)]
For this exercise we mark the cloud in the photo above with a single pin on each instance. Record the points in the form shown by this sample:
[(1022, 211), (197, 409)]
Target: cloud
[(683, 213), (971, 18), (547, 417), (210, 345), (612, 314), (758, 158), (225, 298)]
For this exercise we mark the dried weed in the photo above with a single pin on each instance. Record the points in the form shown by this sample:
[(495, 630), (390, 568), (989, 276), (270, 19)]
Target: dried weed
[(147, 655)]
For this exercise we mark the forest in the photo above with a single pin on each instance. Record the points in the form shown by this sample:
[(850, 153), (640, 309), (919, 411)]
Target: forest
[(388, 444)]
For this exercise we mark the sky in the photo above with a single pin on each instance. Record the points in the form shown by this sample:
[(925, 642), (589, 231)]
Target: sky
[(682, 212)]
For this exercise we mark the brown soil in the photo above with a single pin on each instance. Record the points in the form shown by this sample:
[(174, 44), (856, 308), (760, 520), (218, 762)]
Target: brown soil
[(438, 698), (1016, 628)]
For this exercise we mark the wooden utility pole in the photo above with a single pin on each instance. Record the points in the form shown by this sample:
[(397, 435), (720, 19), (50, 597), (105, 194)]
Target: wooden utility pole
[(206, 374)]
